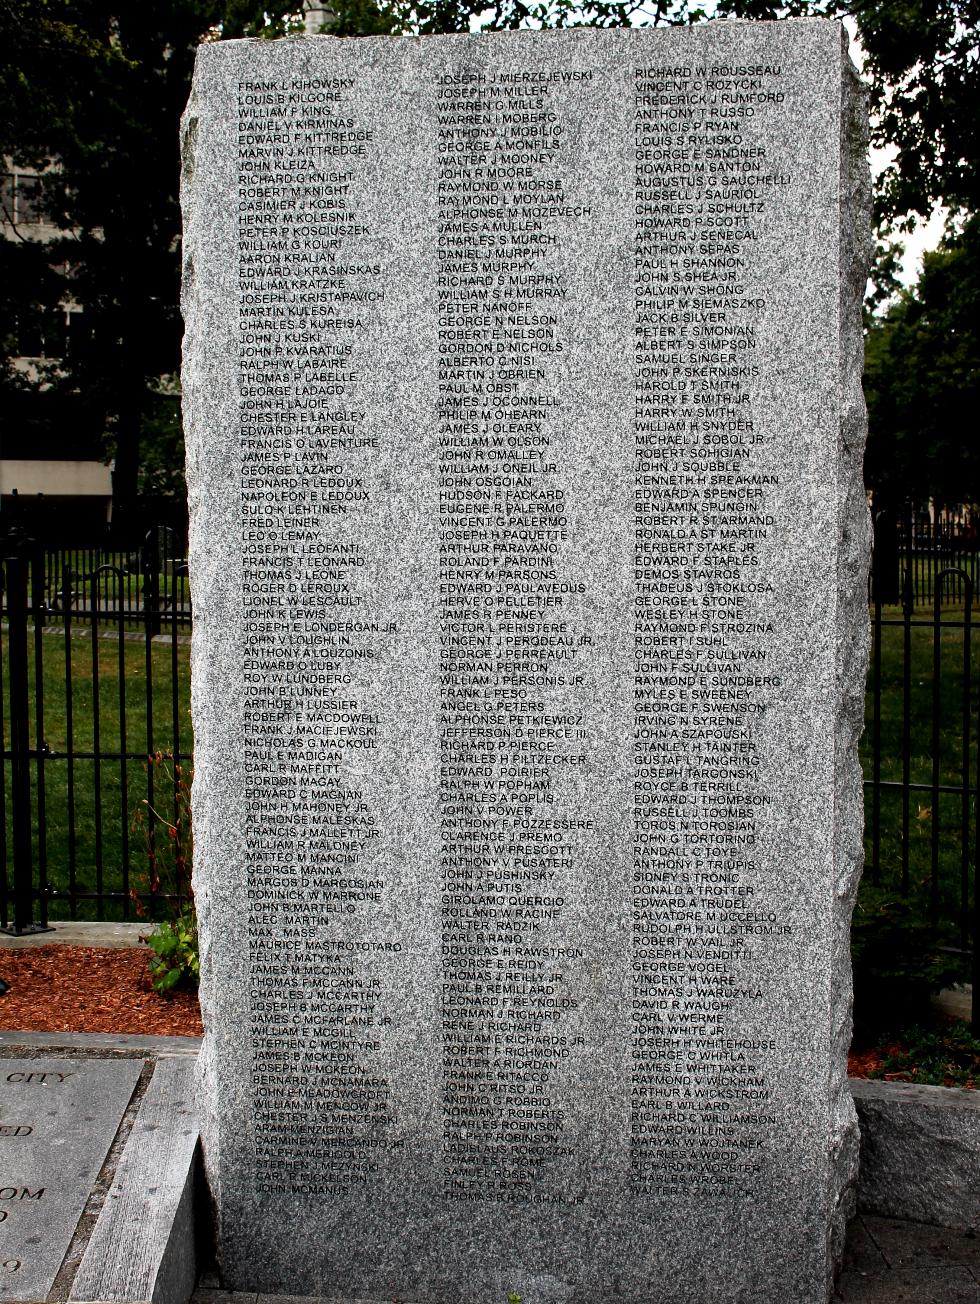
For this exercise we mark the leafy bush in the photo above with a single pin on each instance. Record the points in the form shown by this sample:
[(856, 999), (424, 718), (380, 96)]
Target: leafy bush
[(946, 1057), (898, 963), (169, 841), (176, 959), (169, 852)]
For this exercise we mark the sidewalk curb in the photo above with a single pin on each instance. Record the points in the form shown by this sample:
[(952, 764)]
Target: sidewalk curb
[(93, 1043)]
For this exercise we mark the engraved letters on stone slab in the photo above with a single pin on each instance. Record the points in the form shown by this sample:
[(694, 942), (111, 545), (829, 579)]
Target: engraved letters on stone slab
[(58, 1118), (524, 426)]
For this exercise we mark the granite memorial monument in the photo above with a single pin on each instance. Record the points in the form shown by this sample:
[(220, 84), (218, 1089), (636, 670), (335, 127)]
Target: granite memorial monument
[(529, 551)]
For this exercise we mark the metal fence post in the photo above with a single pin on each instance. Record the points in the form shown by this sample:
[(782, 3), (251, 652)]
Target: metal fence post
[(18, 569), (151, 583)]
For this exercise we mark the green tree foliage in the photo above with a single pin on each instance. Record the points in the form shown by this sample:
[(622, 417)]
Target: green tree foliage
[(922, 63), (922, 381), (96, 95), (93, 91)]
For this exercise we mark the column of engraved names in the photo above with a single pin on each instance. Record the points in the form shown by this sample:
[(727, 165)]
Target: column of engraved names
[(508, 646), (702, 624), (320, 1109)]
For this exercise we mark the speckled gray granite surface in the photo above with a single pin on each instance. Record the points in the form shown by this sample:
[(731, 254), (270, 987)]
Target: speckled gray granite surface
[(524, 435), (920, 1152), (886, 1261)]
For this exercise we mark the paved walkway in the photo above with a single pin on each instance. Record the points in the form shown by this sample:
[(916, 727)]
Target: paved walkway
[(65, 933), (886, 1262), (893, 1262)]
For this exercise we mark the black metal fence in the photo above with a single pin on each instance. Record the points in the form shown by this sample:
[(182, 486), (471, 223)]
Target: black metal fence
[(94, 661), (921, 748), (94, 668), (913, 549)]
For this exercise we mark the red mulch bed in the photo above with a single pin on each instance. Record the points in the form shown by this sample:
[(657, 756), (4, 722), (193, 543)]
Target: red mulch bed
[(90, 989), (861, 1064)]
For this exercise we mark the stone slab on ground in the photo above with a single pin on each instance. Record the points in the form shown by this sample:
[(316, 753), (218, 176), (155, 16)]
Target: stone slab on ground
[(897, 1261), (142, 1247), (948, 1285), (58, 1119), (98, 1043), (920, 1152), (910, 1246), (529, 552)]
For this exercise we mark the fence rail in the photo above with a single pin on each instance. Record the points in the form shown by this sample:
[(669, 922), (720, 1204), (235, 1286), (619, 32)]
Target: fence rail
[(94, 660), (138, 585), (913, 551)]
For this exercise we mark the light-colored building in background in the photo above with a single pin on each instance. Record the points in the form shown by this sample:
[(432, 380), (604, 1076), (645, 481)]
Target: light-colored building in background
[(33, 467)]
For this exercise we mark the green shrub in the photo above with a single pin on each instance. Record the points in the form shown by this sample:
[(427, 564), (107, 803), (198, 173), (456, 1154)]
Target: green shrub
[(175, 962), (898, 963), (176, 959), (945, 1057)]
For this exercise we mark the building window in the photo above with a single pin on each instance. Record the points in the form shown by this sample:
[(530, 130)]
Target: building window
[(44, 335), (29, 199), (22, 199)]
